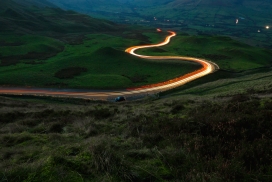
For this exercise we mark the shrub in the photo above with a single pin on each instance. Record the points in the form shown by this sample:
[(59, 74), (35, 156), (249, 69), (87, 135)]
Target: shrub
[(70, 72)]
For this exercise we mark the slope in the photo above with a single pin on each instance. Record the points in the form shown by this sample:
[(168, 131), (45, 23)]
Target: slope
[(43, 17), (44, 46)]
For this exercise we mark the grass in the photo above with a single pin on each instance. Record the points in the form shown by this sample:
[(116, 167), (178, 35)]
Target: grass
[(217, 128), (243, 68), (70, 72), (164, 140), (106, 66), (15, 45), (222, 83), (227, 53), (44, 57)]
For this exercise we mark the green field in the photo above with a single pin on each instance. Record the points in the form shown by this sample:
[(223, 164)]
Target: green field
[(100, 61), (102, 56), (49, 47), (243, 68), (229, 54), (57, 48)]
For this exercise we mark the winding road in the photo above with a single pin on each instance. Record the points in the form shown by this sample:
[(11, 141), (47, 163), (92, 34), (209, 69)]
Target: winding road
[(207, 68)]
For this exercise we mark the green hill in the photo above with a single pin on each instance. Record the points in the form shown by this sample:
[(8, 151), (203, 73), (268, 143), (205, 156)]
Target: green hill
[(43, 17), (33, 31), (67, 49), (217, 128), (38, 3), (44, 46)]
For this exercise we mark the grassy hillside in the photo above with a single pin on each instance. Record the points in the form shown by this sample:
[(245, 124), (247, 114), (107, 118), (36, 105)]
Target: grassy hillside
[(44, 46), (39, 3), (99, 62), (60, 49), (172, 139), (36, 17), (229, 54), (243, 68), (217, 128), (225, 83)]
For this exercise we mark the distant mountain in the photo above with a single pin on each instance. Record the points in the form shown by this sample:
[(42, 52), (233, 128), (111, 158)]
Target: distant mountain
[(38, 3), (177, 9), (246, 19), (121, 4), (232, 5), (87, 5), (197, 2), (42, 16)]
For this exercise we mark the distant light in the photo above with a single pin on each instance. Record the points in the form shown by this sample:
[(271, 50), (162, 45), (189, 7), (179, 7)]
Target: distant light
[(267, 27), (259, 31)]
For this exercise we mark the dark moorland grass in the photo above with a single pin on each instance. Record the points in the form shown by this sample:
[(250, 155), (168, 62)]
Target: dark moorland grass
[(224, 83), (165, 140)]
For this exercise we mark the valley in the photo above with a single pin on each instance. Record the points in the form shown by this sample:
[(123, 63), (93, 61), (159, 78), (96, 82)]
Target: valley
[(201, 124), (193, 17)]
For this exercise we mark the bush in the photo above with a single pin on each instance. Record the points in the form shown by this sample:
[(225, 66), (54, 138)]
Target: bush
[(71, 72)]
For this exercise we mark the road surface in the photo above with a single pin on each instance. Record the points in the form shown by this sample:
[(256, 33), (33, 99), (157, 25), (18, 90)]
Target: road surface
[(207, 68)]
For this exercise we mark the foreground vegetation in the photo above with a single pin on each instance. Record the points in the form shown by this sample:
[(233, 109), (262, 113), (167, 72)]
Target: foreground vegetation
[(170, 139)]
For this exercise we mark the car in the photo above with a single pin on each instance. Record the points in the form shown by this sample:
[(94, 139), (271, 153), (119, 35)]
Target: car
[(120, 99)]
